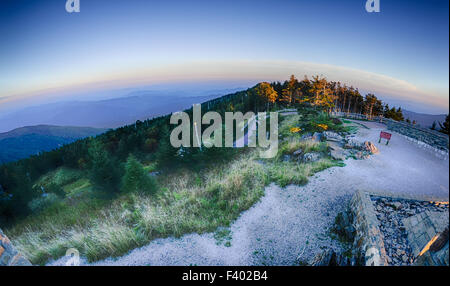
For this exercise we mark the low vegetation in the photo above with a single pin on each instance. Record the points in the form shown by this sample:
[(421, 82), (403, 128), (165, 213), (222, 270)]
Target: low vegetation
[(120, 190), (186, 200)]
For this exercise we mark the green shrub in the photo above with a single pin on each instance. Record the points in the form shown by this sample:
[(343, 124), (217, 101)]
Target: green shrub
[(39, 204), (136, 179), (55, 189)]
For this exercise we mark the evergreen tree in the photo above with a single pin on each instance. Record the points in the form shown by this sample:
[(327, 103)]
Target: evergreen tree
[(370, 102), (136, 179), (268, 95), (433, 126), (291, 93), (445, 126), (166, 153), (104, 172)]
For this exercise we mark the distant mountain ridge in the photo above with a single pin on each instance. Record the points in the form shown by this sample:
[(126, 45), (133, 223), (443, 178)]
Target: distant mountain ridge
[(107, 113), (424, 120), (30, 140)]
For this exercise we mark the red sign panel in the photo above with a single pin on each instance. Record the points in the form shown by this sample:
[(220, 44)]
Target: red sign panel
[(385, 135)]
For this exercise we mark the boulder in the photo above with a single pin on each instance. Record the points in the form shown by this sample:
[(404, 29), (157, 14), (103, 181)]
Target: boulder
[(311, 157), (298, 153), (396, 205), (338, 154), (332, 136), (361, 155), (9, 256), (370, 147), (306, 137), (334, 145), (317, 137), (353, 144)]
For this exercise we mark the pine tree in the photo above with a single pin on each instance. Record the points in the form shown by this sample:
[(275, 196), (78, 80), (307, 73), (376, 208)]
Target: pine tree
[(291, 93), (136, 178), (445, 126), (370, 102), (265, 91), (166, 153), (104, 173), (323, 96), (433, 126)]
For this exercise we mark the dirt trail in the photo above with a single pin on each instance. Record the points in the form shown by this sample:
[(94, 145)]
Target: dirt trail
[(290, 225)]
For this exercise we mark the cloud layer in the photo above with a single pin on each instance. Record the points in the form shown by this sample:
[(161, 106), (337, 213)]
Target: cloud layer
[(251, 72)]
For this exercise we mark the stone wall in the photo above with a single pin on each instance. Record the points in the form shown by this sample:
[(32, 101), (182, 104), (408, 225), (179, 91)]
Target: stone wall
[(368, 242), (422, 230), (433, 138), (9, 256), (427, 136), (422, 221)]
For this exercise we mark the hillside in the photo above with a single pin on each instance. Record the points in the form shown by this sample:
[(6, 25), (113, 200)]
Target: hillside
[(30, 140), (120, 190), (109, 113), (424, 120)]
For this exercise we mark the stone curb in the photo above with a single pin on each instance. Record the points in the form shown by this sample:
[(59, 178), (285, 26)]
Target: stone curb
[(368, 238), (409, 197)]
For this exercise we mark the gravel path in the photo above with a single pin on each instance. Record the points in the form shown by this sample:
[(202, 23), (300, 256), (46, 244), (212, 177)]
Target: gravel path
[(290, 225)]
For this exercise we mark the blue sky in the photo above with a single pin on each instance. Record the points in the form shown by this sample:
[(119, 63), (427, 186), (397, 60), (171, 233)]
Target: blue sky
[(401, 53)]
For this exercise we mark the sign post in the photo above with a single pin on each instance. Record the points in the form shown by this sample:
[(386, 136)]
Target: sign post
[(385, 135)]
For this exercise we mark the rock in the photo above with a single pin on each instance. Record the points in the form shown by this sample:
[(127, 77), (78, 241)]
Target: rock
[(317, 137), (337, 154), (306, 137), (332, 145), (298, 153), (9, 256), (370, 147), (396, 205), (332, 136), (311, 157), (410, 212), (361, 155), (344, 226), (330, 258), (353, 144), (286, 158)]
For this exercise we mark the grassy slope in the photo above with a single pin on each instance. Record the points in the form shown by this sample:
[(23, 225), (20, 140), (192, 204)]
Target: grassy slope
[(187, 202)]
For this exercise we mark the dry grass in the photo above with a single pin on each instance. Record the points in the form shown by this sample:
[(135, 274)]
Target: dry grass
[(186, 202), (183, 205)]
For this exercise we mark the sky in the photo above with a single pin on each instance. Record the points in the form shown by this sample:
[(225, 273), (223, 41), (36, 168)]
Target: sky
[(401, 53)]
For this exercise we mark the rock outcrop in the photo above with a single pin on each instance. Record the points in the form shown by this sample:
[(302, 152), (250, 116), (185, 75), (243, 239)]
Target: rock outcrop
[(370, 147), (9, 256), (311, 157)]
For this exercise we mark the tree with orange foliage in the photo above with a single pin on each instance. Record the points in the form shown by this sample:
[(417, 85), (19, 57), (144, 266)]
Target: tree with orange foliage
[(265, 91), (291, 93), (323, 96)]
